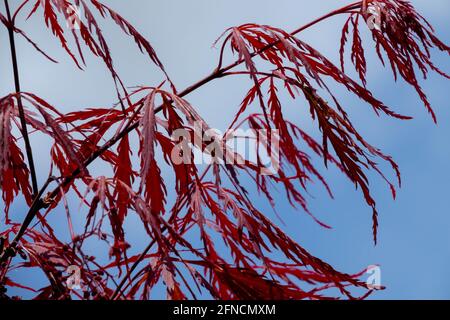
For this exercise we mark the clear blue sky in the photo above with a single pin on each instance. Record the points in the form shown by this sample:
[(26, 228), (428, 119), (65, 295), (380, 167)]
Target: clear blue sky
[(414, 241)]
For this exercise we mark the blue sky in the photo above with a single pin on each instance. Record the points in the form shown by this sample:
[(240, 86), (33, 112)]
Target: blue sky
[(414, 240)]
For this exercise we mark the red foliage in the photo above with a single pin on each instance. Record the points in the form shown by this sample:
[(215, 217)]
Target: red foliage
[(213, 205)]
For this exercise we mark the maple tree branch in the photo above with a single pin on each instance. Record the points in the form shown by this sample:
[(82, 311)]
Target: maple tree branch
[(133, 267), (23, 122), (216, 74), (342, 10), (37, 204)]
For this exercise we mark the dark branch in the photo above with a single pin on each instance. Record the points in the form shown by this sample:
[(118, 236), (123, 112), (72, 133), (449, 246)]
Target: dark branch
[(23, 122)]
